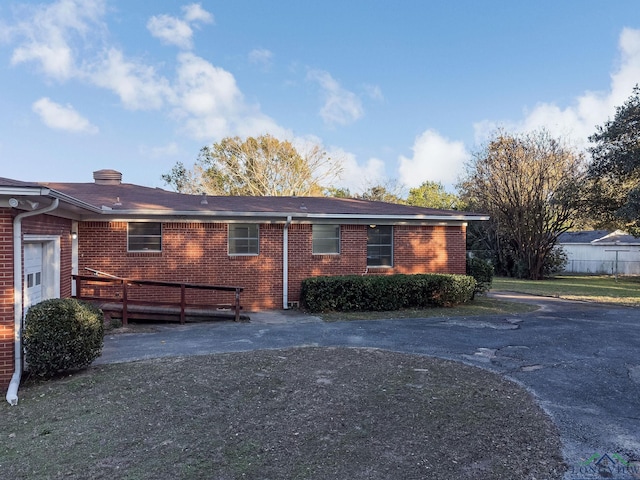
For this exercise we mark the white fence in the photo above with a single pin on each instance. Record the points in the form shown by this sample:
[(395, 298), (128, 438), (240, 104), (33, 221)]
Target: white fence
[(604, 267)]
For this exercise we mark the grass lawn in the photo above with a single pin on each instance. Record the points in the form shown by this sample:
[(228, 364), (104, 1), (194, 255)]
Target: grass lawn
[(594, 288)]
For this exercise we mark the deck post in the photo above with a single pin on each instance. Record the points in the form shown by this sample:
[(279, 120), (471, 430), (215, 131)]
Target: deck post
[(183, 303), (237, 305), (125, 317)]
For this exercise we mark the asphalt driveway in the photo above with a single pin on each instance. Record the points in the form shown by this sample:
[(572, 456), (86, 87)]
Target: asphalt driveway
[(582, 362)]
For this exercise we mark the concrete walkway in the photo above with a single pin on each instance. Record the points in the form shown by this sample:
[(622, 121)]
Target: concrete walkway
[(581, 361)]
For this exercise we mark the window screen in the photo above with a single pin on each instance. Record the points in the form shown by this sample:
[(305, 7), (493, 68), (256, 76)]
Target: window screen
[(243, 239), (326, 239), (144, 237), (380, 246)]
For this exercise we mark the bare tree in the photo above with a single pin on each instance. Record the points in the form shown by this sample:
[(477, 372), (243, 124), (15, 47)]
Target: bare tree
[(529, 186)]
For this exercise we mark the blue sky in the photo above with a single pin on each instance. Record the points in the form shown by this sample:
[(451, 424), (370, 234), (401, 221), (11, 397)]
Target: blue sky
[(404, 90)]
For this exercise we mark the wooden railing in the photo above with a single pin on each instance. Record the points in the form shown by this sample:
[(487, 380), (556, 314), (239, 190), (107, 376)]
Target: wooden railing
[(119, 298)]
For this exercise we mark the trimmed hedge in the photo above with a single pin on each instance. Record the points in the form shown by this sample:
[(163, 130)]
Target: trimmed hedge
[(385, 292), (62, 334)]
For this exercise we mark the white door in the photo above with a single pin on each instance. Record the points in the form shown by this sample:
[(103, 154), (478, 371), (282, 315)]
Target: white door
[(32, 274)]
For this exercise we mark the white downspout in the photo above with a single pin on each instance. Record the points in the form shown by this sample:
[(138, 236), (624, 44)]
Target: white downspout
[(285, 264), (14, 384)]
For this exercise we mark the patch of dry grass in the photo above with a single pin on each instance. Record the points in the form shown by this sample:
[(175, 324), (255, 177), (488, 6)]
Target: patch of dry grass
[(305, 413)]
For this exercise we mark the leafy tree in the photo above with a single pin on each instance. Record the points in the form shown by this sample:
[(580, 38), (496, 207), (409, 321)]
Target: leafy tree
[(262, 166), (380, 193), (338, 192), (389, 190), (614, 171), (528, 185), (433, 195)]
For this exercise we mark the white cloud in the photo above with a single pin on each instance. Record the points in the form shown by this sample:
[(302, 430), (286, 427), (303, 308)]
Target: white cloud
[(171, 30), (261, 56), (138, 86), (62, 117), (204, 99), (435, 158), (46, 33), (175, 31), (341, 106), (355, 176), (578, 121), (207, 95), (212, 105), (195, 13)]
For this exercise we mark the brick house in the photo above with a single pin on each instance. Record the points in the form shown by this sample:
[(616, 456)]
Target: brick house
[(268, 245)]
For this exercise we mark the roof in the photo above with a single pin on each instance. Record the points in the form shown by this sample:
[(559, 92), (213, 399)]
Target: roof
[(598, 237), (617, 238), (585, 236), (109, 198)]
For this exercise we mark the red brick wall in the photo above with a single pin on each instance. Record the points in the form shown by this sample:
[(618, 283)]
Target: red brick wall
[(424, 249), (6, 297), (197, 253), (37, 225), (352, 259), (191, 253)]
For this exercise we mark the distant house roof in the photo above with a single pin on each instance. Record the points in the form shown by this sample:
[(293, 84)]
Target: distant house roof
[(617, 237), (598, 237), (585, 236), (108, 198)]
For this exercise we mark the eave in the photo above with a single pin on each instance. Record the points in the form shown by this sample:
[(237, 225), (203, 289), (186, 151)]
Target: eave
[(277, 217)]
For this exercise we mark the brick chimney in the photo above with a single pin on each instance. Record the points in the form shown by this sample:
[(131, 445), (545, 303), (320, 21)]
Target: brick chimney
[(107, 177)]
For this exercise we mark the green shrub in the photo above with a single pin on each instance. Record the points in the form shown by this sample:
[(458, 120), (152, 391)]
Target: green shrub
[(62, 334), (555, 262), (385, 292), (482, 271)]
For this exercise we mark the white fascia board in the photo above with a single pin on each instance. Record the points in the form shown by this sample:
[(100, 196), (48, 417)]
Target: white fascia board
[(191, 215), (46, 192), (399, 218), (24, 191)]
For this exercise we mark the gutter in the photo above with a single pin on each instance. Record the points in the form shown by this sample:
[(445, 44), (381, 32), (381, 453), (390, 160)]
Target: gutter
[(14, 384), (285, 264), (274, 217)]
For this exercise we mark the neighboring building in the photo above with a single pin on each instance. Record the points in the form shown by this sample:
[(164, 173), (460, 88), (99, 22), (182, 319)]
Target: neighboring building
[(267, 245), (601, 252)]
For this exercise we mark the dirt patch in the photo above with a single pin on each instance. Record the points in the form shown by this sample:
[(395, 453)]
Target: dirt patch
[(303, 413)]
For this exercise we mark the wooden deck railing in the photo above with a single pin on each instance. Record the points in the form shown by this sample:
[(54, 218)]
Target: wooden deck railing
[(120, 296)]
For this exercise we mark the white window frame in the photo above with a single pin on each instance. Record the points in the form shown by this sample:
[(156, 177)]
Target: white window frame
[(316, 229), (253, 235)]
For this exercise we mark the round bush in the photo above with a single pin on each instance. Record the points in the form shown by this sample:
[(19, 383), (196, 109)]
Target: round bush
[(62, 334), (482, 271)]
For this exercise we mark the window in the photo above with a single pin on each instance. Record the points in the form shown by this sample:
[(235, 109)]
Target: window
[(326, 239), (380, 246), (243, 239), (144, 237)]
